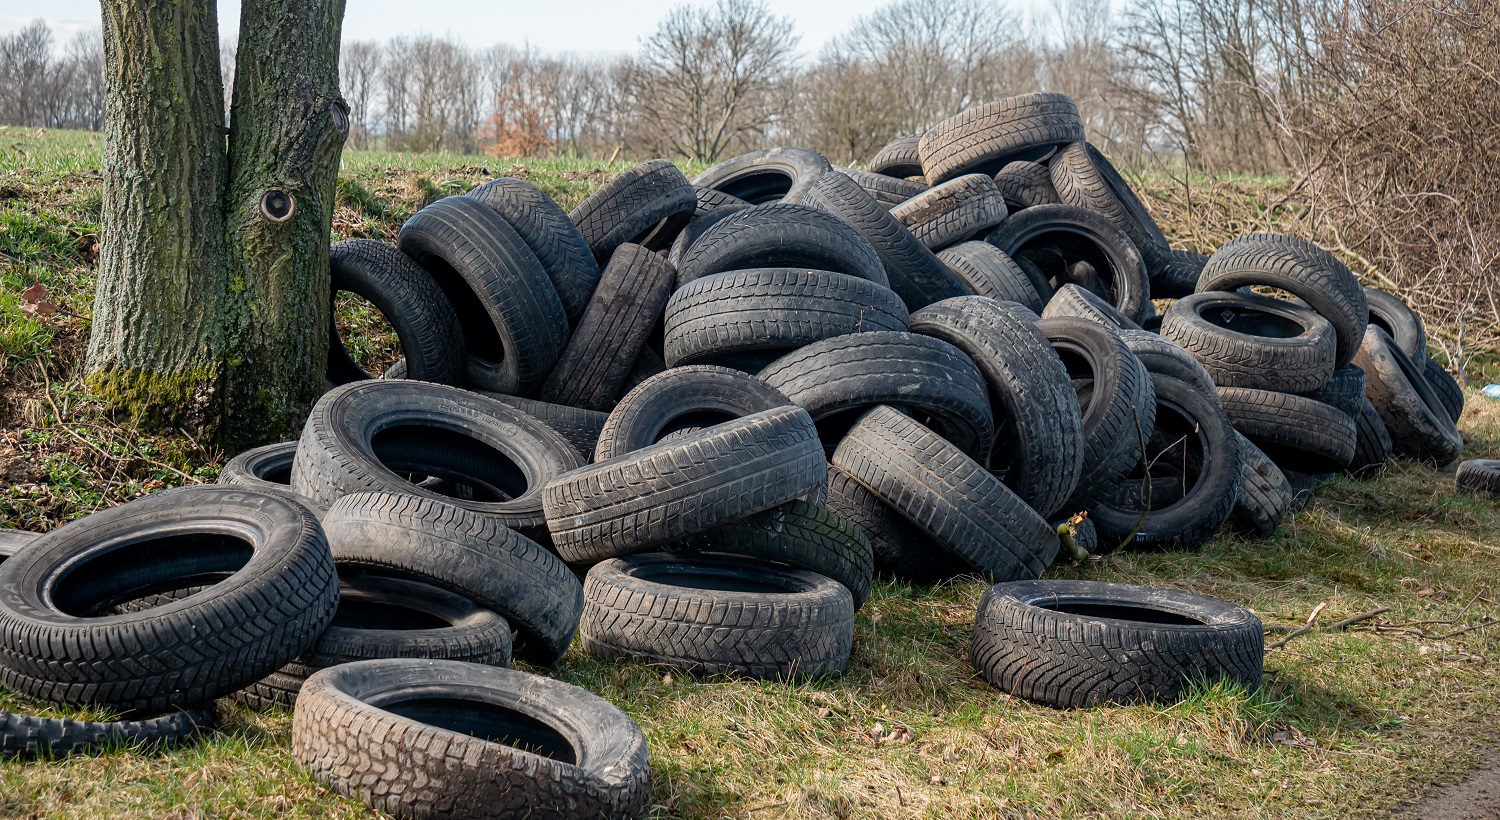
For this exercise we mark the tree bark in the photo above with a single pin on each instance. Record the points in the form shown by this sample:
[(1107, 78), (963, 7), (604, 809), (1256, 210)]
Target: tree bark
[(211, 306), (157, 338), (287, 130)]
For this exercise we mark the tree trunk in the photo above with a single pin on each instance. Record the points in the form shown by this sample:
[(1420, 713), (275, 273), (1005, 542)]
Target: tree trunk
[(287, 130), (158, 338), (211, 306)]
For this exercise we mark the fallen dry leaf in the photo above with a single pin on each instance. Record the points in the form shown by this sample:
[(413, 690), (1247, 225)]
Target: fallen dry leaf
[(37, 299)]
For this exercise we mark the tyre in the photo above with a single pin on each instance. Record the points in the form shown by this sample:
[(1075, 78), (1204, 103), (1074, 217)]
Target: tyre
[(1176, 275), (888, 191), (11, 541), (464, 552), (1038, 445), (1301, 268), (1296, 432), (1479, 475), (962, 208), (1372, 442), (1043, 641), (546, 229), (622, 312), (1447, 389), (392, 618), (772, 311), (578, 426), (771, 175), (648, 205), (507, 309), (454, 739), (683, 398), (985, 138), (1115, 397), (781, 235), (710, 200), (1165, 357), (1192, 446), (269, 466), (31, 737), (898, 159), (674, 489), (275, 593), (408, 298), (948, 495), (1072, 301), (713, 615), (916, 275), (1245, 340), (987, 271), (375, 436), (799, 534), (1419, 426), (901, 549), (1265, 496), (1026, 185), (1055, 238), (1399, 322), (697, 226), (1084, 177), (837, 379)]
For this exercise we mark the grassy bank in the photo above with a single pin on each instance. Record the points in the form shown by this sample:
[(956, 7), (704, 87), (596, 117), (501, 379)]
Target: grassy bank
[(1348, 724)]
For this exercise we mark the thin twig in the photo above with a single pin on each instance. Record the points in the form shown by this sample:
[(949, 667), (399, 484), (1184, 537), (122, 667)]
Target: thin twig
[(1306, 628), (1360, 618)]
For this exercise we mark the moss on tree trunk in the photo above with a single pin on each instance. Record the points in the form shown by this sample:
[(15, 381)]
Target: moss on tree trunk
[(212, 299)]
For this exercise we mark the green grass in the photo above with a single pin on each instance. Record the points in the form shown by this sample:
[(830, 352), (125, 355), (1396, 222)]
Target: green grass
[(1347, 724)]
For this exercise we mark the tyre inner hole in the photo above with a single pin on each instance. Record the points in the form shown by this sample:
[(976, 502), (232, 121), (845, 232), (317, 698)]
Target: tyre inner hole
[(696, 420), (712, 578), (1252, 322), (354, 613), (471, 469), (758, 187), (1057, 254), (1120, 612), (363, 340), (480, 337), (1080, 370), (1174, 459), (149, 566), (489, 722)]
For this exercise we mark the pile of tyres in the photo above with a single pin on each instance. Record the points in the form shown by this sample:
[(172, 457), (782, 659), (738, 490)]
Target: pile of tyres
[(689, 421)]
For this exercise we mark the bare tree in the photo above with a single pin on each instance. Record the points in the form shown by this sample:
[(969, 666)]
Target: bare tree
[(359, 74), (711, 78)]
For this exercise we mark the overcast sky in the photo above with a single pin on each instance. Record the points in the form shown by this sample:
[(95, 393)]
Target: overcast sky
[(549, 25)]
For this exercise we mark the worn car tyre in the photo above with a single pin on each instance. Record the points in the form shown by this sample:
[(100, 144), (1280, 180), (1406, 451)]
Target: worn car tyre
[(276, 591), (1300, 268), (1116, 399), (770, 175), (671, 490), (370, 436), (512, 321), (268, 466), (985, 138), (1076, 644), (1244, 340), (1399, 322), (1265, 495), (1166, 357), (1026, 185), (888, 191), (1176, 275), (622, 312), (901, 549), (1072, 301), (781, 235), (962, 208), (951, 497), (772, 311), (1419, 425), (546, 229), (32, 737), (1084, 177), (1192, 445), (899, 158), (1039, 444), (648, 204), (431, 738), (465, 552), (1450, 394), (710, 614), (989, 272), (1479, 475), (1296, 432), (1055, 238), (409, 299), (836, 379), (699, 225), (579, 427), (683, 398), (914, 273)]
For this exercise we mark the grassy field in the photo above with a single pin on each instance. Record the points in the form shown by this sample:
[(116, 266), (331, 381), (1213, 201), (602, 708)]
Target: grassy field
[(1349, 723)]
